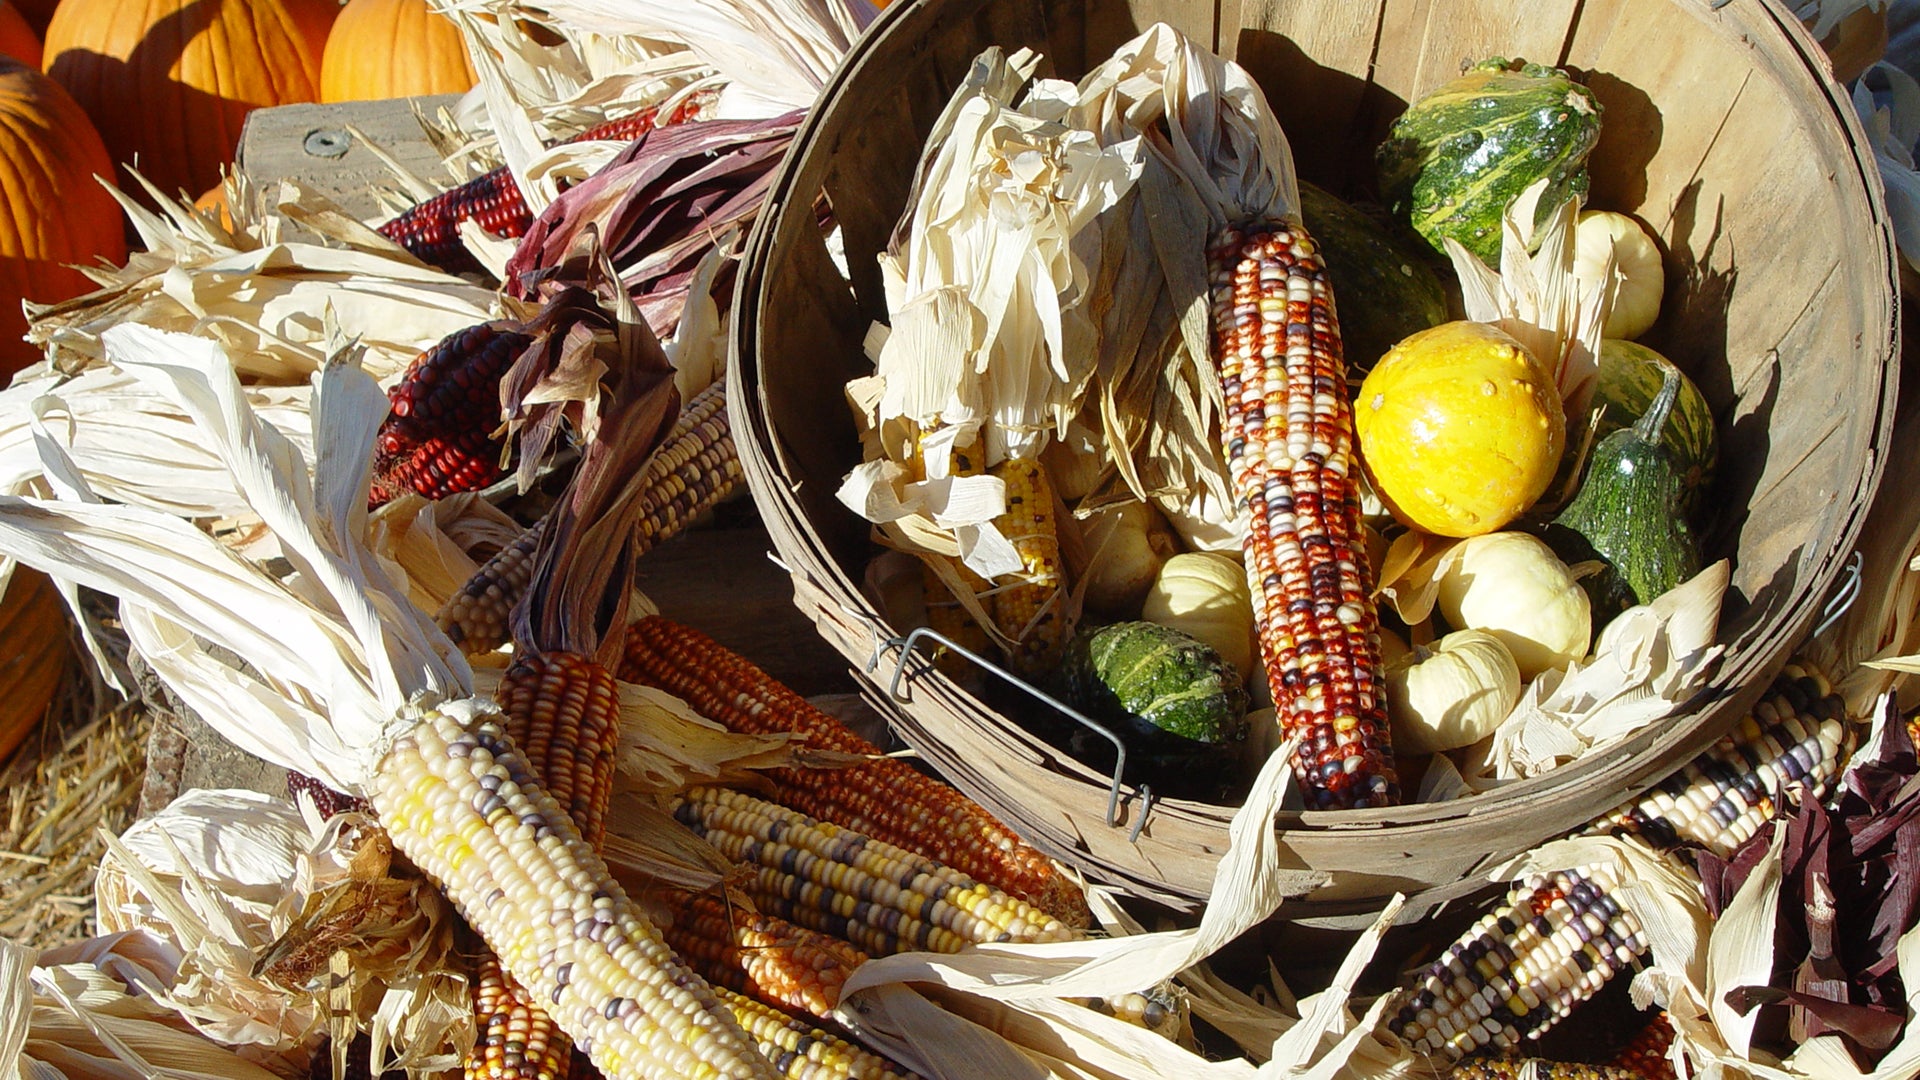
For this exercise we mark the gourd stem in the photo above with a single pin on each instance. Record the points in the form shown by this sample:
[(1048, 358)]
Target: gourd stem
[(1650, 422)]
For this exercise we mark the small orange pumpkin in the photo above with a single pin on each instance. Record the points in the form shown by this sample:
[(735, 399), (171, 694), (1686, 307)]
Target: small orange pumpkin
[(56, 213), (33, 654), (169, 82), (393, 48), (17, 39)]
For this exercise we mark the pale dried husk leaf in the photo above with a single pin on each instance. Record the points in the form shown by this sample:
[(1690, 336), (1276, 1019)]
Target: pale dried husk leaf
[(1892, 126), (261, 290), (84, 1011), (1646, 664), (335, 643), (772, 55), (434, 546), (986, 280), (258, 895), (1535, 296)]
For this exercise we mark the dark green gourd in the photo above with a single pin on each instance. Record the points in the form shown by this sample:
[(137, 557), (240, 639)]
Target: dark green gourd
[(1180, 708), (1391, 292), (1627, 513), (1458, 157)]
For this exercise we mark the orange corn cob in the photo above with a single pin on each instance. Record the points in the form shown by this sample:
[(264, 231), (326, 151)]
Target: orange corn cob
[(732, 944), (1288, 434), (430, 230), (694, 470), (513, 1040), (885, 799), (438, 437), (1646, 1054)]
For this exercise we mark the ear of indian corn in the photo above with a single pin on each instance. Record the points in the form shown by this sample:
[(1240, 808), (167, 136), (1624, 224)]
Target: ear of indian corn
[(438, 437), (1558, 938), (945, 614), (1646, 1053), (1289, 447), (885, 799), (881, 897), (692, 472), (514, 1039), (1506, 1068), (1031, 610), (430, 230), (1523, 967), (734, 945), (1794, 739), (800, 1050), (465, 806)]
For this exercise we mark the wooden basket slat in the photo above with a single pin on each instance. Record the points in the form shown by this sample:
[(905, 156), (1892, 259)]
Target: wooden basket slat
[(1442, 35), (1646, 60)]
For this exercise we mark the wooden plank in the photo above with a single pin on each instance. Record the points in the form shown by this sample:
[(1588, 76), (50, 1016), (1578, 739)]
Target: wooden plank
[(1423, 43), (1314, 62), (310, 144)]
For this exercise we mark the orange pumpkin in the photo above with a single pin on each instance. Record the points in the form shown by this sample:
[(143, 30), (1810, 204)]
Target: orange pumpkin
[(33, 654), (17, 39), (393, 48), (169, 82), (55, 212)]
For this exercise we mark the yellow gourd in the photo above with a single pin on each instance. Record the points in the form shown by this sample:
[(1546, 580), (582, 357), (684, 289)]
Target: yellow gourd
[(1460, 429), (1513, 586), (1204, 594), (1451, 694)]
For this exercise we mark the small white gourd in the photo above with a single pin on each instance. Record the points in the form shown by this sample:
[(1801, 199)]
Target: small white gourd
[(1204, 594), (1126, 546), (1513, 586), (1636, 258), (1450, 694)]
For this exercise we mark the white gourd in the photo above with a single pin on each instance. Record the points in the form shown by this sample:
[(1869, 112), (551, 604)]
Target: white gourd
[(1636, 259), (1513, 586), (1204, 594), (1452, 693), (1126, 546)]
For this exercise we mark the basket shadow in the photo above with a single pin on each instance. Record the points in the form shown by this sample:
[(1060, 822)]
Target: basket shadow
[(1320, 109)]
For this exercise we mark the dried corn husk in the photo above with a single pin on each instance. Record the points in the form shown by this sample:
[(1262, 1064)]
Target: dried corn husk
[(85, 1011), (1892, 123), (985, 282), (259, 895), (435, 546), (1536, 297), (1645, 665), (339, 652), (262, 289)]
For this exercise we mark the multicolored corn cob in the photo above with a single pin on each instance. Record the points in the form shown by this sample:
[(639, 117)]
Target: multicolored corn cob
[(735, 946), (430, 230), (1795, 738), (695, 469), (801, 1051), (514, 1039), (467, 808), (1031, 610), (1509, 1068), (1646, 1054), (1289, 446), (885, 799), (882, 898), (439, 434), (1522, 968), (1558, 938)]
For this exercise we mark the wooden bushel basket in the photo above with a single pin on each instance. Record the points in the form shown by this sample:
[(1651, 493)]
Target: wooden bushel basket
[(1722, 131)]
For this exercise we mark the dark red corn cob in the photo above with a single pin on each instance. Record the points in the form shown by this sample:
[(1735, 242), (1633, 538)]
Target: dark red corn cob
[(438, 438), (326, 800), (430, 231)]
